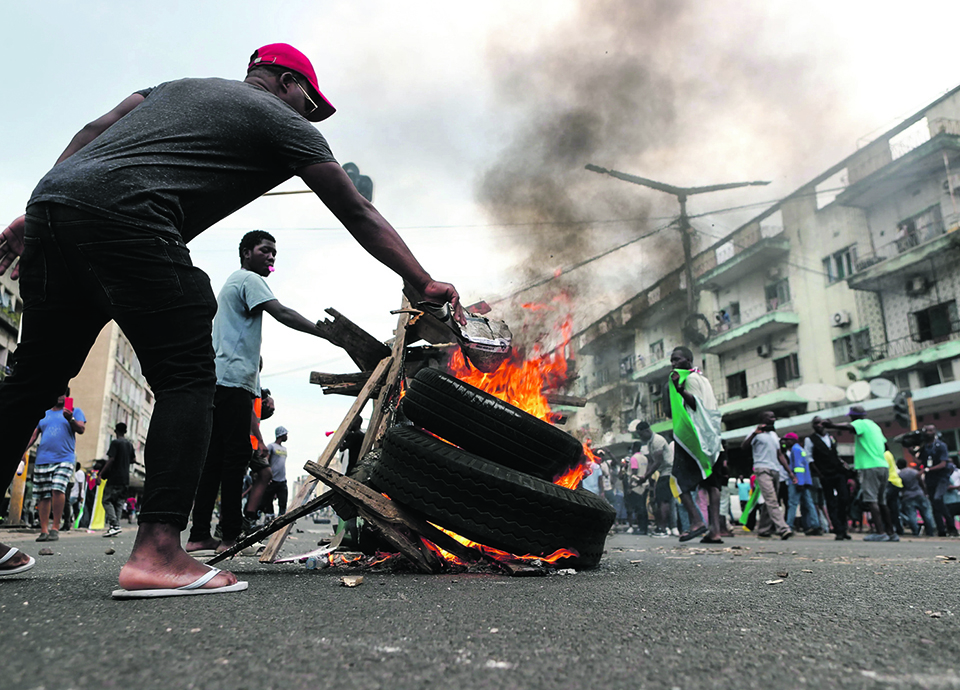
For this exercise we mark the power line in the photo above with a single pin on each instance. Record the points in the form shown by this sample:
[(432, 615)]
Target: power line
[(579, 264)]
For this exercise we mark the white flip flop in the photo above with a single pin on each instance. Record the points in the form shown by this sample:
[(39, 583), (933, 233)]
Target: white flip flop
[(19, 569), (195, 587)]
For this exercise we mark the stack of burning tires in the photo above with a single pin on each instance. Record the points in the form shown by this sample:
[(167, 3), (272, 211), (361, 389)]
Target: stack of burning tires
[(482, 468)]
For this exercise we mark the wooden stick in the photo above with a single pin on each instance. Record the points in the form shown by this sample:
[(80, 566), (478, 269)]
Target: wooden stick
[(276, 524), (276, 541), (381, 417)]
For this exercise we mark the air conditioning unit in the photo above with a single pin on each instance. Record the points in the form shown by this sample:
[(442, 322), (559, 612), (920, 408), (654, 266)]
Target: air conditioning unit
[(763, 350), (840, 318), (917, 285)]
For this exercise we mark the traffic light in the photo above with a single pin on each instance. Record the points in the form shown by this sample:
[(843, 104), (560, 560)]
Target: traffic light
[(901, 409), (363, 183)]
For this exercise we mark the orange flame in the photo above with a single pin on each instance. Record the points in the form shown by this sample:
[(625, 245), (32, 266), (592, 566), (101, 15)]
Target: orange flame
[(494, 553)]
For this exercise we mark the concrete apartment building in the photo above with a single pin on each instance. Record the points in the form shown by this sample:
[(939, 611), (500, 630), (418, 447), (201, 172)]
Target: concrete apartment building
[(110, 388), (11, 307), (852, 277)]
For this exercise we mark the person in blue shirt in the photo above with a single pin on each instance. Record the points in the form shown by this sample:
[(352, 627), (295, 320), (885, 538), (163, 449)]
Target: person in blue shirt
[(801, 493), (54, 464)]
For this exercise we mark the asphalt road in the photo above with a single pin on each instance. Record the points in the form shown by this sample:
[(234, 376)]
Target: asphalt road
[(654, 615)]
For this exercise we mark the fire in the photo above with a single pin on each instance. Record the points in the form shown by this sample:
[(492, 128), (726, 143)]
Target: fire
[(521, 382), (338, 559), (492, 552)]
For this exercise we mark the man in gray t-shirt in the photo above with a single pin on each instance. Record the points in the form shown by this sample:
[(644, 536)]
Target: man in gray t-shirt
[(104, 239), (768, 461), (278, 468)]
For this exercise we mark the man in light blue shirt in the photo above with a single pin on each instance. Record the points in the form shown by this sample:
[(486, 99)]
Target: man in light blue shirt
[(236, 339)]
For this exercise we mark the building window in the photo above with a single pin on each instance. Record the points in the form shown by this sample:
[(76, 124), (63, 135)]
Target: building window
[(941, 372), (851, 347), (626, 366), (934, 322), (788, 369), (777, 294), (656, 351), (839, 265), (737, 385)]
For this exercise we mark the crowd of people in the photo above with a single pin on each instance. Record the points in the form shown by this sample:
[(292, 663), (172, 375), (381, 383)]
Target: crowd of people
[(794, 485)]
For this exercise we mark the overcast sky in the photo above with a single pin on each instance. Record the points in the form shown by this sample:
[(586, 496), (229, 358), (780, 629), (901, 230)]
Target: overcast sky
[(475, 119)]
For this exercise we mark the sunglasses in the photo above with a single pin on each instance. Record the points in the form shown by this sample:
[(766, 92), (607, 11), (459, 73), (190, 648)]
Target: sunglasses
[(311, 105)]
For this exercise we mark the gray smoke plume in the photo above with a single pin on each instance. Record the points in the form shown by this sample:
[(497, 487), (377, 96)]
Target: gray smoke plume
[(657, 89)]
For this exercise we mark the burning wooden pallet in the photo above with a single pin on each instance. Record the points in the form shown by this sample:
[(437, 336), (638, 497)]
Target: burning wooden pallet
[(526, 463)]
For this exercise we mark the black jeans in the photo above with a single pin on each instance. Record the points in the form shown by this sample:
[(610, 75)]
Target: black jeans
[(278, 490), (227, 460), (79, 271), (836, 493)]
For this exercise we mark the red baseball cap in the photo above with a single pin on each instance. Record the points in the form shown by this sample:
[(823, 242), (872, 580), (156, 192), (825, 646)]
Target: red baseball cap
[(286, 55)]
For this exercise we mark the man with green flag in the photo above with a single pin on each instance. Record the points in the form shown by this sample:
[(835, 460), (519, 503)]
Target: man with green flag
[(696, 435)]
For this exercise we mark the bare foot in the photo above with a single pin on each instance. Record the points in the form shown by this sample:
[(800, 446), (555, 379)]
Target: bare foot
[(204, 545), (158, 562), (15, 561)]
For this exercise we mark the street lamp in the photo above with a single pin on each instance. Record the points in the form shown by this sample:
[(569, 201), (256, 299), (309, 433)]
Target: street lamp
[(681, 193)]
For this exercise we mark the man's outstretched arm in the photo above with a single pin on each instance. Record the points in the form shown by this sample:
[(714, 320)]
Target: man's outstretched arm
[(334, 188), (11, 237), (289, 317)]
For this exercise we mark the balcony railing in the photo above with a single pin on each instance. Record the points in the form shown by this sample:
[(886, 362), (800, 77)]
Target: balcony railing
[(909, 344), (904, 243)]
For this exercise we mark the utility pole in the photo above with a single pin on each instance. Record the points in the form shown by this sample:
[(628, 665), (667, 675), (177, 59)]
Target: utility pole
[(686, 235)]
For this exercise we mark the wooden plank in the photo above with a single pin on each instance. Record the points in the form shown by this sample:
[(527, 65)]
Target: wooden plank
[(322, 379), (568, 400), (341, 384), (382, 513), (381, 416), (326, 457), (363, 348)]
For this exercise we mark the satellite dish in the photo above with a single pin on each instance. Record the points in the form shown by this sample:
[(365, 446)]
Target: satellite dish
[(858, 391), (821, 392), (883, 388)]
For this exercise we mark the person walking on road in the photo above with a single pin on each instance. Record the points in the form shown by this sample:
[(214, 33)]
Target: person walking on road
[(660, 455), (800, 493), (56, 458), (768, 458), (913, 500), (826, 464), (872, 469), (107, 229), (935, 459), (278, 467), (116, 472), (696, 433)]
